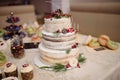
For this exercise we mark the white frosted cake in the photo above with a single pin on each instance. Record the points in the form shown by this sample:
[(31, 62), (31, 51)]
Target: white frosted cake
[(59, 42)]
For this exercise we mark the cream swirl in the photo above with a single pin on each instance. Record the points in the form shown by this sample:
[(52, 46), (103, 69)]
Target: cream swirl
[(26, 68), (10, 67)]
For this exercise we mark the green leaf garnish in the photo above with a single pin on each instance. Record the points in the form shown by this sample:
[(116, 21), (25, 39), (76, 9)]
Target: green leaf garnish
[(68, 51), (81, 58), (57, 67)]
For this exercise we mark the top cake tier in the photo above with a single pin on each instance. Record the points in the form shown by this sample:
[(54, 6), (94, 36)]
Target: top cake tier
[(57, 21)]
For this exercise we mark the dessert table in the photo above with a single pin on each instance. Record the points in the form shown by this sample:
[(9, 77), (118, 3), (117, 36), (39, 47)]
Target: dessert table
[(100, 65)]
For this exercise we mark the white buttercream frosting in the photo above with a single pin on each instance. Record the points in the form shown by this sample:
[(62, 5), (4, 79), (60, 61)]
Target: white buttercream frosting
[(11, 68), (53, 24), (56, 53), (26, 69), (57, 35), (58, 45)]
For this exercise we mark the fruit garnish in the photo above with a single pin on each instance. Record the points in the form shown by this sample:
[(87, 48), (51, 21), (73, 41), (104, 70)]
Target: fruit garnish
[(74, 46), (8, 64), (68, 65), (78, 65), (25, 65)]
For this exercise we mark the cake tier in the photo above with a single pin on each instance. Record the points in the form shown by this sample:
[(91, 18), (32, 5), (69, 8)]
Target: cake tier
[(58, 37), (57, 56), (58, 45), (54, 24)]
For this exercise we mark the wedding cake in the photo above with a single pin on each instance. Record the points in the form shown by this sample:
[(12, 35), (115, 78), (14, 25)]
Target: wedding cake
[(59, 43)]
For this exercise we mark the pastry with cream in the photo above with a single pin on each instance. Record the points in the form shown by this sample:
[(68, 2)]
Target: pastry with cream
[(26, 72), (10, 69)]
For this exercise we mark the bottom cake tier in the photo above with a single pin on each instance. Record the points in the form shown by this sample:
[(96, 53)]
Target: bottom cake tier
[(52, 56)]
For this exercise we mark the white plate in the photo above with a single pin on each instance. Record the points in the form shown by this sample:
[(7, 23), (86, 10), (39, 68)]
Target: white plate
[(38, 62)]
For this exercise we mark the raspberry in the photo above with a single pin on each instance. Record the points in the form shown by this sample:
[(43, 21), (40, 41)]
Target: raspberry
[(25, 65), (68, 65), (8, 64), (78, 65)]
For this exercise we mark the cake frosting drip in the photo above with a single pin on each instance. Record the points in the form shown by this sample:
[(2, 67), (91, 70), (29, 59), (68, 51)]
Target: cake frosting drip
[(26, 68), (10, 67)]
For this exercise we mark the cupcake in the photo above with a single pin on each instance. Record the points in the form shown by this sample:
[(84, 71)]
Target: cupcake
[(10, 70), (0, 74), (26, 72), (10, 78)]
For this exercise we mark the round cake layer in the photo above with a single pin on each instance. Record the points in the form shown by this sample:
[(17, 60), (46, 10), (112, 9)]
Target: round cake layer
[(57, 56), (58, 37), (58, 45), (53, 24)]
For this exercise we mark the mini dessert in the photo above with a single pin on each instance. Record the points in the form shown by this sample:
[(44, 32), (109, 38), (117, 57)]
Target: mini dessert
[(17, 47), (10, 70), (1, 75), (27, 72), (3, 59), (103, 40), (10, 78), (36, 38), (112, 45), (94, 43)]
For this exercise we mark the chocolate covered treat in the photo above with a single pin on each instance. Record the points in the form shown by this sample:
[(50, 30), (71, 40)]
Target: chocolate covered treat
[(10, 70), (27, 72)]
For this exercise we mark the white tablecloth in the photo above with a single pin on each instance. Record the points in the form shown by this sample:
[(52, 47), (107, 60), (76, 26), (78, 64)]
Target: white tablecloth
[(100, 65)]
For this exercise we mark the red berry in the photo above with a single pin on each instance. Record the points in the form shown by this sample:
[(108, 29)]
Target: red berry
[(58, 31), (68, 65), (68, 30), (78, 65), (8, 64), (25, 65), (76, 43), (48, 16), (71, 29), (74, 46)]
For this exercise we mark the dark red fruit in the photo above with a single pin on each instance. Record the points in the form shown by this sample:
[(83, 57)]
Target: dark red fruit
[(76, 43), (48, 16), (25, 65), (78, 65), (74, 46), (58, 31), (8, 64), (68, 65)]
